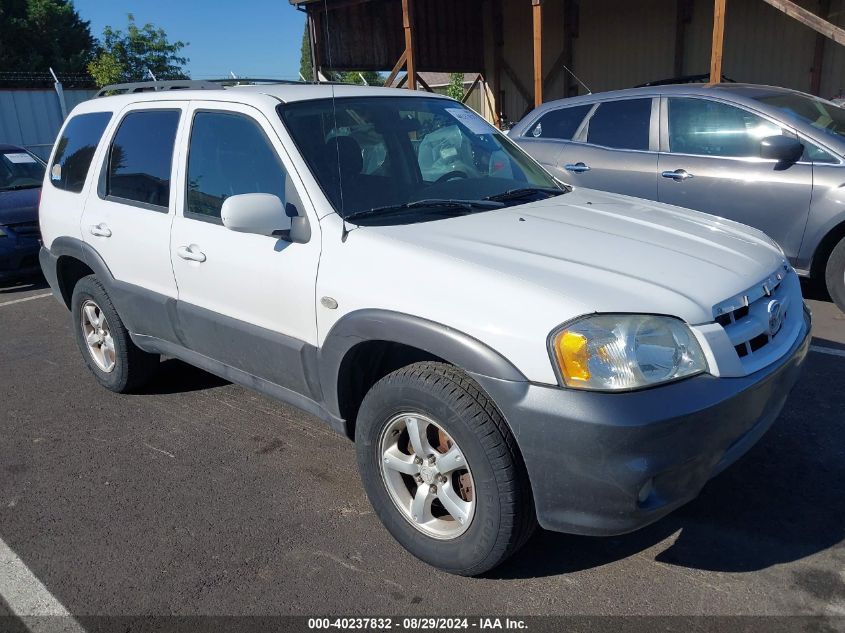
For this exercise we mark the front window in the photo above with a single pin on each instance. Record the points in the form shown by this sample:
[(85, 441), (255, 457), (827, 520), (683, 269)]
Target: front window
[(711, 128), (398, 154), (20, 169), (819, 113)]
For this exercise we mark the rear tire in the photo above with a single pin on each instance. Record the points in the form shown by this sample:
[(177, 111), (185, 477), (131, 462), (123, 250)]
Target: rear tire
[(116, 362), (495, 501), (834, 275)]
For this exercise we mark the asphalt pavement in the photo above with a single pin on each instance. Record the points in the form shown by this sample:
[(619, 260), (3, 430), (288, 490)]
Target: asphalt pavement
[(200, 497)]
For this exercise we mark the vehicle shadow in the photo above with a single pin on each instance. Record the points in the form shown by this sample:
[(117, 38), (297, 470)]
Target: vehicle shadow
[(13, 286), (174, 376), (784, 501)]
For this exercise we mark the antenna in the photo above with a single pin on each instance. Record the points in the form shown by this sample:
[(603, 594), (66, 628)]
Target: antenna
[(363, 79), (586, 87), (151, 74), (301, 78)]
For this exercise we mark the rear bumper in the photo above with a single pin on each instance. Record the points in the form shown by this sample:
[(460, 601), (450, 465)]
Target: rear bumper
[(605, 464)]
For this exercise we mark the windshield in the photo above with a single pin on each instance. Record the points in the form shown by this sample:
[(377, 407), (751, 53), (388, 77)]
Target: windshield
[(20, 170), (397, 154), (821, 114)]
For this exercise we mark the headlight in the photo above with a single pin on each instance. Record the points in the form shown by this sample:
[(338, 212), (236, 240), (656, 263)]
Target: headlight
[(614, 352)]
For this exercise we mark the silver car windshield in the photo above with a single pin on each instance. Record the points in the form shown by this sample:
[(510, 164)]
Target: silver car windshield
[(397, 154), (821, 114)]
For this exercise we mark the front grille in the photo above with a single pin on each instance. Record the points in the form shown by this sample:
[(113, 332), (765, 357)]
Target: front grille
[(755, 318)]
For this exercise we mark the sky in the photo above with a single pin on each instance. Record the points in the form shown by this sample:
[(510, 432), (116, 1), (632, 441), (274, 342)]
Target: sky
[(251, 38)]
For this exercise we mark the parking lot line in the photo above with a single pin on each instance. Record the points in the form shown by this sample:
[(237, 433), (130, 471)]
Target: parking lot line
[(827, 350), (28, 598), (41, 296)]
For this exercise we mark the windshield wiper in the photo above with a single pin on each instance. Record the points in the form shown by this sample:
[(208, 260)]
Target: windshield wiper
[(523, 192), (436, 204)]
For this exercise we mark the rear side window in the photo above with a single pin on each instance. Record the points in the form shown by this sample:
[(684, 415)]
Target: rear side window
[(141, 155), (621, 124), (229, 154), (561, 123), (75, 149)]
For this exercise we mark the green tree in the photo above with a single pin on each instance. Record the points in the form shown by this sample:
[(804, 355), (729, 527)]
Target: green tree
[(38, 34), (354, 77), (127, 56), (305, 64), (456, 86)]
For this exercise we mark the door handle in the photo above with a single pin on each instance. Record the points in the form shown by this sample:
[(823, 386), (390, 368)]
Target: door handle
[(677, 175), (577, 168), (191, 253), (100, 230)]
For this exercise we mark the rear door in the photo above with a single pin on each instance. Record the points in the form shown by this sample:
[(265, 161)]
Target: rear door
[(615, 149), (129, 211), (711, 162)]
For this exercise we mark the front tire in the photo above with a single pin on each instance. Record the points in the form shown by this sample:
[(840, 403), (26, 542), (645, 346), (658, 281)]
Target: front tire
[(442, 469), (116, 362), (834, 275)]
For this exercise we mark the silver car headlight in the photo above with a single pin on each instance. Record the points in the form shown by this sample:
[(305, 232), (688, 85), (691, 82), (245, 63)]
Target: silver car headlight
[(615, 352)]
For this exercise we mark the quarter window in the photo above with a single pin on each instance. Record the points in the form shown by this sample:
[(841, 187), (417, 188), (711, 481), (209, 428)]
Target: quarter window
[(75, 150), (710, 128), (229, 155), (561, 123), (141, 156), (621, 124)]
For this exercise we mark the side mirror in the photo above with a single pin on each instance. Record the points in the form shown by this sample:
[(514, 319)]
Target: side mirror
[(264, 214), (783, 149)]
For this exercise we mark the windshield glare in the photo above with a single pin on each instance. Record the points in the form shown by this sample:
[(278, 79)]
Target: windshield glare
[(819, 113), (20, 170), (373, 152)]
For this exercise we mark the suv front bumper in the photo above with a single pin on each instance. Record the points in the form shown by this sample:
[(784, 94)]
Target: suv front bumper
[(611, 463)]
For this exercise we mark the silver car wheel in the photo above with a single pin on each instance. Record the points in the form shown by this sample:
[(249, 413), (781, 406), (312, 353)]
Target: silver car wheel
[(427, 476), (98, 338)]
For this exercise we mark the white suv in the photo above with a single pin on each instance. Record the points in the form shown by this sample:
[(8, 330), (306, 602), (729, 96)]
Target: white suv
[(503, 349)]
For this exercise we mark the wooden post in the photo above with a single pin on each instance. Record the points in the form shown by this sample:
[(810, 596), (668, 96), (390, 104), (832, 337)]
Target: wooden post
[(407, 25), (810, 19), (498, 44), (818, 52), (683, 15), (537, 10), (718, 41)]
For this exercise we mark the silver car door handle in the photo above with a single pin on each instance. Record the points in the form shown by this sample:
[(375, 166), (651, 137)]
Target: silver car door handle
[(100, 230), (678, 174), (191, 253), (577, 168)]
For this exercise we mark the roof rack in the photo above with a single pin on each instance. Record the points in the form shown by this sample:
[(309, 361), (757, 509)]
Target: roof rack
[(198, 84), (152, 86)]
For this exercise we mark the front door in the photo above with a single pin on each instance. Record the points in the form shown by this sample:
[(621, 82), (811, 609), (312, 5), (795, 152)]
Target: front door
[(711, 162), (245, 300)]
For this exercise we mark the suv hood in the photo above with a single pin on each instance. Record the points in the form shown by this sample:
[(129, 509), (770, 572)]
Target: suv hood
[(607, 252)]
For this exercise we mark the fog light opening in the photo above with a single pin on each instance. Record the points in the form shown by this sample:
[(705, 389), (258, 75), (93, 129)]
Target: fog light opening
[(645, 491)]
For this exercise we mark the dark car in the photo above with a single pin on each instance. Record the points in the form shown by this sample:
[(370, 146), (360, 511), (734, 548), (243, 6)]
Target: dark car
[(21, 174)]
